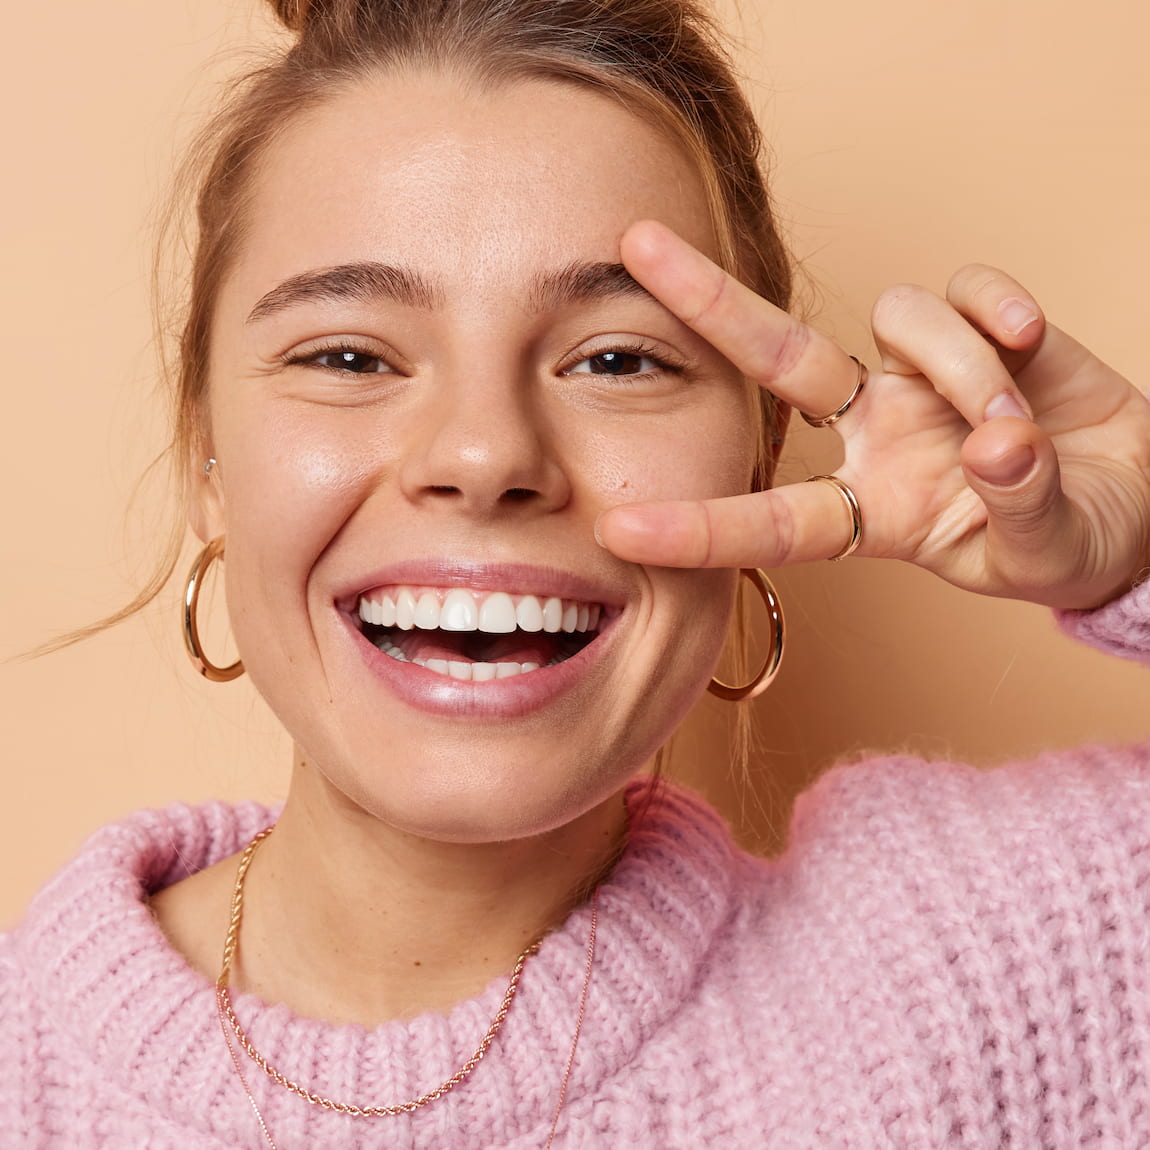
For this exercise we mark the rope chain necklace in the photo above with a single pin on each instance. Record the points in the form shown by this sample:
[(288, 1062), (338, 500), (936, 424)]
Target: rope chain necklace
[(231, 1026)]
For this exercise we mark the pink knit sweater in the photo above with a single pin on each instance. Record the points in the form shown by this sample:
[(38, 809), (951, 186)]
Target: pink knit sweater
[(943, 958)]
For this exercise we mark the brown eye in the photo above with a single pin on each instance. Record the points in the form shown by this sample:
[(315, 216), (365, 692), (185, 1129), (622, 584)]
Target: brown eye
[(357, 362), (614, 363)]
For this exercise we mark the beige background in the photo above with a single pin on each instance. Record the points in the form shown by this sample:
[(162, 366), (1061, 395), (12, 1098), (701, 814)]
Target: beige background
[(910, 137)]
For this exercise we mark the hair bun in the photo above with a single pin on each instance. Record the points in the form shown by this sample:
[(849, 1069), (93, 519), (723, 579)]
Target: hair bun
[(296, 15)]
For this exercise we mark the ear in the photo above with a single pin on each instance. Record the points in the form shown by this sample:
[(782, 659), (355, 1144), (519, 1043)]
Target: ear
[(205, 492)]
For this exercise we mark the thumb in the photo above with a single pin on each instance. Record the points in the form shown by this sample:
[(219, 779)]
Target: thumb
[(1013, 468)]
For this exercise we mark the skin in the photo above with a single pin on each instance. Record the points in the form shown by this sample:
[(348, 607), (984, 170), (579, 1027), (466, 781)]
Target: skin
[(988, 447), (404, 832)]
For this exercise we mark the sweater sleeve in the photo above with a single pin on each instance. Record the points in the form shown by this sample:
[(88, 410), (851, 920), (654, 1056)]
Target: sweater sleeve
[(1120, 627), (19, 1056), (1003, 916)]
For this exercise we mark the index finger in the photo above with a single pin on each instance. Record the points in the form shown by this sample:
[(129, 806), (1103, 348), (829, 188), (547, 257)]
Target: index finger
[(796, 523), (798, 364)]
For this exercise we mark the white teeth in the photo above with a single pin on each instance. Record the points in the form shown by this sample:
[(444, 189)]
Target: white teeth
[(552, 615), (497, 615), (405, 610), (459, 612), (458, 609), (570, 618), (529, 614), (427, 611), (467, 672)]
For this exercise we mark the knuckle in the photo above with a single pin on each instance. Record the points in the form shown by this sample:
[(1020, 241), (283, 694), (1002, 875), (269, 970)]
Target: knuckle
[(705, 537), (711, 296), (1029, 512), (973, 281), (972, 362), (780, 528), (894, 306), (779, 356), (978, 289)]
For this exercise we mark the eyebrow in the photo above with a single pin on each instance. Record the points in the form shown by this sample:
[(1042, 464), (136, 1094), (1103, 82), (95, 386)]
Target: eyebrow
[(369, 281), (584, 283), (358, 282)]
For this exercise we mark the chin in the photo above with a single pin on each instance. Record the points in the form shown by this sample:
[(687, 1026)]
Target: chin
[(475, 794), (480, 703)]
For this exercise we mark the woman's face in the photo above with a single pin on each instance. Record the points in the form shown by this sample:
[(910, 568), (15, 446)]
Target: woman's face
[(429, 376)]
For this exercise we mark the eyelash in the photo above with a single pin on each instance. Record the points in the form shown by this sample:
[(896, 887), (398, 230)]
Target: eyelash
[(634, 347), (311, 358), (637, 348)]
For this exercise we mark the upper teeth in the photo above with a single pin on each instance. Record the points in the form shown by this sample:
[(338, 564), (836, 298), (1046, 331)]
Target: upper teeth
[(458, 609)]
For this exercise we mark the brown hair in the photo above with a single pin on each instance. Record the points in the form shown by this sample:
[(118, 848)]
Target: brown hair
[(661, 58)]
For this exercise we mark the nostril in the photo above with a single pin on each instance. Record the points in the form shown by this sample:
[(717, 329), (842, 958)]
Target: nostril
[(444, 489), (518, 494)]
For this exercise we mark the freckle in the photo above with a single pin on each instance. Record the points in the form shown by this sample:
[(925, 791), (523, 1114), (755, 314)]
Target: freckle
[(417, 963)]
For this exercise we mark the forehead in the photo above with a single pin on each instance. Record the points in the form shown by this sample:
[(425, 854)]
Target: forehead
[(476, 187)]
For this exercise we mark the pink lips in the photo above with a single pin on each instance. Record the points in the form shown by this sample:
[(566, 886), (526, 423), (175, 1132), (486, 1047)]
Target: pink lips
[(513, 697)]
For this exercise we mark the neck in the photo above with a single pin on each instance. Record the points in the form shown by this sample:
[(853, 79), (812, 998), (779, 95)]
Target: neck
[(350, 920)]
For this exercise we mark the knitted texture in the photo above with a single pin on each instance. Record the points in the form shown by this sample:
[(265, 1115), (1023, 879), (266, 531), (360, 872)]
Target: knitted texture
[(1121, 628), (943, 957)]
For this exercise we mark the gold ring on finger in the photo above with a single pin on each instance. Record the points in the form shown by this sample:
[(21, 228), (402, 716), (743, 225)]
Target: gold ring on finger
[(861, 375), (853, 509)]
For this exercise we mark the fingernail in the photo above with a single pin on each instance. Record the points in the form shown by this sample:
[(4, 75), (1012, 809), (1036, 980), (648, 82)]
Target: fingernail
[(1010, 468), (1016, 315), (598, 537), (1005, 403)]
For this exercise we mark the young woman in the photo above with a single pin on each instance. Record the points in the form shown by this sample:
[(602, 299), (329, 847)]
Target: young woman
[(484, 375)]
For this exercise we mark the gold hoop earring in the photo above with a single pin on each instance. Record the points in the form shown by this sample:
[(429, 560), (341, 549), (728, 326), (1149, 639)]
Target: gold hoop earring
[(211, 552), (770, 668)]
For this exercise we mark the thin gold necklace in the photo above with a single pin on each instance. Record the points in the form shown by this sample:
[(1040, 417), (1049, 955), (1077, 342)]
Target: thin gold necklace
[(230, 1024)]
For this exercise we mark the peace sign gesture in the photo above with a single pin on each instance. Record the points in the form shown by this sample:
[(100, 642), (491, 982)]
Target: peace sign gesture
[(991, 448)]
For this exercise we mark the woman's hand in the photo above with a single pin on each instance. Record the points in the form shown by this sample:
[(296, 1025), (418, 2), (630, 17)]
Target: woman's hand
[(991, 448)]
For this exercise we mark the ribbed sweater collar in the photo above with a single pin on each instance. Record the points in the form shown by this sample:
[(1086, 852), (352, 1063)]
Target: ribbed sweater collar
[(128, 1006)]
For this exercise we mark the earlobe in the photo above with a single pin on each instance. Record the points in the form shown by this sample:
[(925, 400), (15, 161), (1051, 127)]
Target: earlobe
[(205, 497)]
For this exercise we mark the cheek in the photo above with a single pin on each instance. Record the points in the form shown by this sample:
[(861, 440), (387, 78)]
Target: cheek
[(292, 478), (691, 622), (694, 457), (294, 470), (281, 484)]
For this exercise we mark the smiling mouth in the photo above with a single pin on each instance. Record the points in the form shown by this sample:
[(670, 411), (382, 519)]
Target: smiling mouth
[(476, 636)]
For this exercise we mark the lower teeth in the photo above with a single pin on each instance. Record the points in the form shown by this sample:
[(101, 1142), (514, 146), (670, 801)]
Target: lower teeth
[(467, 672)]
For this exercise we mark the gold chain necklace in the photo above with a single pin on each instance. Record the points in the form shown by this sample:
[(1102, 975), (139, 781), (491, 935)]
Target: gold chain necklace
[(230, 1024)]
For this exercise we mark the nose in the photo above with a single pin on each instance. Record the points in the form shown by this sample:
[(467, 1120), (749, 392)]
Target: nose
[(484, 450)]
